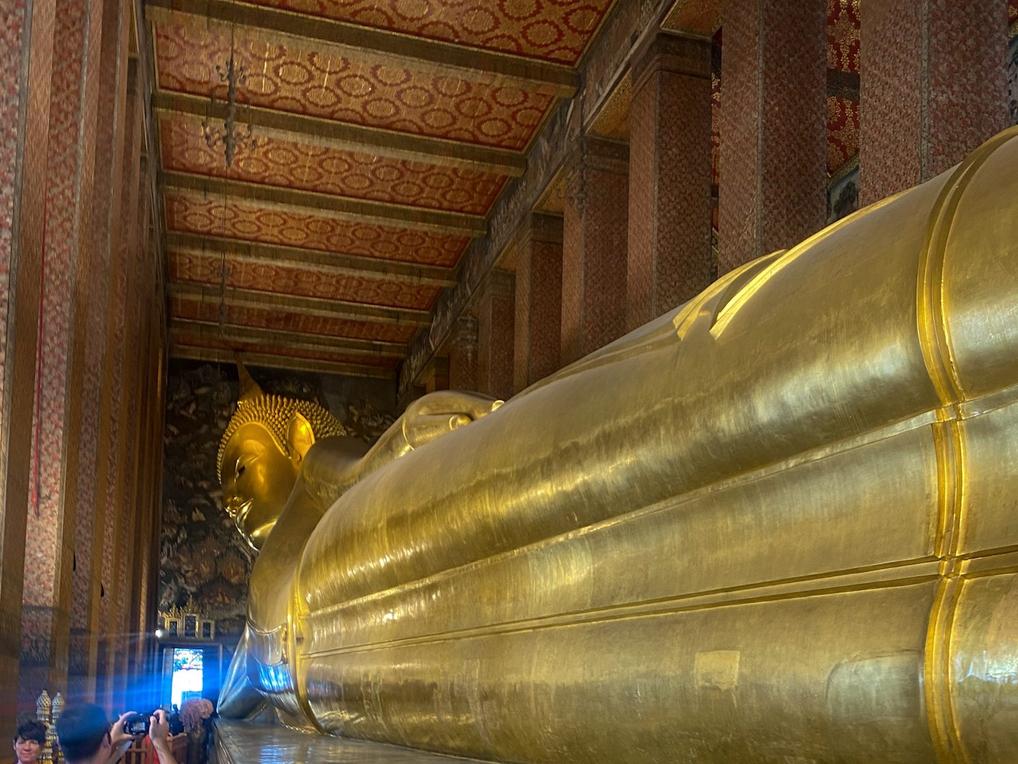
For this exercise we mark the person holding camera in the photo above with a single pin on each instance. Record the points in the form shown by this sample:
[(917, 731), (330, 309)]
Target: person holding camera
[(86, 737)]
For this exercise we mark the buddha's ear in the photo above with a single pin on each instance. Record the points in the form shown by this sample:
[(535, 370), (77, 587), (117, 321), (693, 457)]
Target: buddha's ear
[(300, 436)]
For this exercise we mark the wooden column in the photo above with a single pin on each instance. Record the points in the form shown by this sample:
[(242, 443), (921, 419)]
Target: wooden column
[(538, 300), (106, 344), (463, 354), (436, 376), (495, 328), (933, 86), (26, 61), (129, 245), (594, 233), (773, 176), (669, 177), (50, 550)]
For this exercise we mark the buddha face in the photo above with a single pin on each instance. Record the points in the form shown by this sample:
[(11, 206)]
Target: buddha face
[(258, 477)]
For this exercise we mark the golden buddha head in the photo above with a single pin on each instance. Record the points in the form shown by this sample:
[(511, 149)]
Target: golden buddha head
[(260, 455)]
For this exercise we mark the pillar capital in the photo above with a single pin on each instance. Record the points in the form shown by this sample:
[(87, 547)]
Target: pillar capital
[(593, 156), (464, 333), (499, 283), (542, 227), (684, 54)]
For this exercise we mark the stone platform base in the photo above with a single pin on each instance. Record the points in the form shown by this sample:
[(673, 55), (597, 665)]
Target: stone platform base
[(245, 743)]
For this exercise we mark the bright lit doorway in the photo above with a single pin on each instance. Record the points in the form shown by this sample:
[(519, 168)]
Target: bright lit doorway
[(188, 674)]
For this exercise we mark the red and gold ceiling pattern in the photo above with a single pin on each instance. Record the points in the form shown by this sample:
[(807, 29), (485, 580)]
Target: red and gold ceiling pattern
[(287, 76), (553, 30), (280, 320), (192, 213), (190, 339), (395, 100), (310, 167), (303, 282), (843, 35)]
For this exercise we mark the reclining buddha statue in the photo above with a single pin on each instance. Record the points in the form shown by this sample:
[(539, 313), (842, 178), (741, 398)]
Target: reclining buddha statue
[(778, 523)]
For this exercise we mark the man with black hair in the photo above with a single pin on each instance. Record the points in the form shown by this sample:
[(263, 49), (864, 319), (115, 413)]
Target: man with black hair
[(86, 737), (28, 741)]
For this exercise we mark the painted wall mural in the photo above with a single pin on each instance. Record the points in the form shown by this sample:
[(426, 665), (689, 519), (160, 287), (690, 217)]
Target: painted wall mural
[(201, 554)]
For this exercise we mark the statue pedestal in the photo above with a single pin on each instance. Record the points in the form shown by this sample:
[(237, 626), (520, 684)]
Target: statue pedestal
[(243, 742)]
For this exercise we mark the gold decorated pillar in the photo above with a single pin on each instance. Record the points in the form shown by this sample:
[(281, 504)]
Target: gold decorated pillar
[(127, 288), (463, 354), (670, 257), (25, 79), (594, 240), (773, 173), (538, 300), (933, 87), (91, 362), (56, 444), (436, 375), (495, 328)]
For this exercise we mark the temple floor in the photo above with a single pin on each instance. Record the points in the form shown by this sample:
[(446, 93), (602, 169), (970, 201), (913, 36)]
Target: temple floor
[(244, 742)]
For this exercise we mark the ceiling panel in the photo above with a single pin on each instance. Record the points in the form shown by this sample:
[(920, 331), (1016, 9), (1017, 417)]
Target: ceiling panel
[(322, 169), (288, 75), (384, 133), (184, 337), (281, 320), (197, 268), (194, 213), (551, 30)]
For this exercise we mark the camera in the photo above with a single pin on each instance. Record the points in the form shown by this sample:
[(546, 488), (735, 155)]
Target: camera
[(136, 724)]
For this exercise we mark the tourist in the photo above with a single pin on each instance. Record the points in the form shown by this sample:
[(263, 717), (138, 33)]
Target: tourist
[(86, 737), (29, 740)]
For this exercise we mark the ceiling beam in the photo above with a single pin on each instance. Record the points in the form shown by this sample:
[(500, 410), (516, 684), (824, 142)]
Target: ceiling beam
[(312, 306), (341, 207), (349, 137), (266, 360), (212, 331), (419, 53), (329, 262)]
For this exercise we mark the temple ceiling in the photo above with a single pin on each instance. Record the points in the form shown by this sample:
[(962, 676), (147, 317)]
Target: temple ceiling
[(383, 133)]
